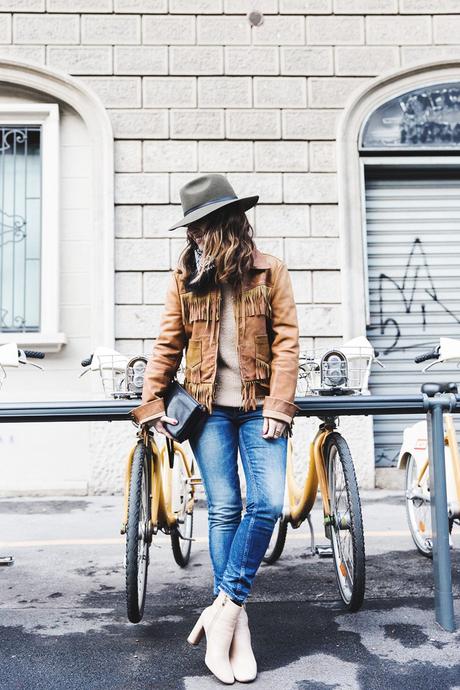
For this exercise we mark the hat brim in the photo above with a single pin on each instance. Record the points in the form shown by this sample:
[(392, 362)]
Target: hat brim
[(245, 203)]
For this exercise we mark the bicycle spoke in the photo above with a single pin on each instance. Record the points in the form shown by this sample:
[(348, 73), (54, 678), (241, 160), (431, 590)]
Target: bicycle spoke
[(418, 507)]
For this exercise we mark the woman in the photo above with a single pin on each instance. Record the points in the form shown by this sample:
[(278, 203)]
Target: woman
[(232, 308)]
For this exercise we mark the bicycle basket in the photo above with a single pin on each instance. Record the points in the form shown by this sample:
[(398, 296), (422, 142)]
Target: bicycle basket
[(122, 376), (334, 371), (112, 371)]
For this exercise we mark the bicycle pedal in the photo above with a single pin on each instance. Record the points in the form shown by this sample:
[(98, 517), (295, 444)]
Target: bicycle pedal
[(6, 560), (324, 551)]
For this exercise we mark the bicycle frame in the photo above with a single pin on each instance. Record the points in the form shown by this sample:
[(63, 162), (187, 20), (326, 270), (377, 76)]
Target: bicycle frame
[(415, 440), (415, 443), (161, 514), (301, 501)]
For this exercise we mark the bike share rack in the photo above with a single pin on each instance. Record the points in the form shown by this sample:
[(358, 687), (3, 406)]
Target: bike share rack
[(313, 406)]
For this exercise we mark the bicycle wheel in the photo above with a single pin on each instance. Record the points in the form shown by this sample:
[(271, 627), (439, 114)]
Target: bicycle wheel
[(138, 537), (277, 541), (418, 508), (181, 494), (346, 533)]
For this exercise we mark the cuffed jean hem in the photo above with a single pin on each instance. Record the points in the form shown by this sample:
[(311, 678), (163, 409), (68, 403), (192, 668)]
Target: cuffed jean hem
[(237, 599)]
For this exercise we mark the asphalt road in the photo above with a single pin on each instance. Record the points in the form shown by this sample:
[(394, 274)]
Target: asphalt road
[(64, 626)]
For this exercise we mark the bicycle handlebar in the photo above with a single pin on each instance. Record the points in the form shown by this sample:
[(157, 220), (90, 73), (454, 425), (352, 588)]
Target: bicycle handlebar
[(433, 354), (87, 361), (33, 354)]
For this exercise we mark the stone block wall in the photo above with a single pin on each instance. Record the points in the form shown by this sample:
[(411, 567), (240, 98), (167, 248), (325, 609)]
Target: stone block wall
[(192, 87)]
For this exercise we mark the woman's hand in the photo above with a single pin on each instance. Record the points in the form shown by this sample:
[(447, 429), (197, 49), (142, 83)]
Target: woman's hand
[(159, 426), (273, 428)]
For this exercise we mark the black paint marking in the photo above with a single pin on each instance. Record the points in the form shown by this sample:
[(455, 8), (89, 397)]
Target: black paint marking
[(407, 291)]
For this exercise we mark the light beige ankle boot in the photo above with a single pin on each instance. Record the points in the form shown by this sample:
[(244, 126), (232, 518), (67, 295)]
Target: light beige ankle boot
[(218, 621), (242, 659)]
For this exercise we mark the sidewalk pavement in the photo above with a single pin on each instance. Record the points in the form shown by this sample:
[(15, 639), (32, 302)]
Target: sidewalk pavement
[(64, 624)]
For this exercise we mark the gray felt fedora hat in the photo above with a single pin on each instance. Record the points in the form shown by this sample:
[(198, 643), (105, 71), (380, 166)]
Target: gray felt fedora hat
[(206, 194)]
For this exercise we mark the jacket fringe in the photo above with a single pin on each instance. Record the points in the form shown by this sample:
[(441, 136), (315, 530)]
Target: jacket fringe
[(203, 392), (195, 307), (255, 300), (252, 302), (198, 307), (201, 308), (262, 369), (248, 395)]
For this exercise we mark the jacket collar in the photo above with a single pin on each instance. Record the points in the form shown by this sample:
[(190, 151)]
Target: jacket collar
[(259, 261)]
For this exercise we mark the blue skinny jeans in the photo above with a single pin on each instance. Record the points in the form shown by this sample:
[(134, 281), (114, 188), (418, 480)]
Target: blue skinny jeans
[(238, 544)]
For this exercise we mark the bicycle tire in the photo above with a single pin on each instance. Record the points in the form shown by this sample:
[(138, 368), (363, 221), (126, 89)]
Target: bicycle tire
[(272, 555), (181, 551), (180, 495), (423, 544), (352, 588), (137, 539)]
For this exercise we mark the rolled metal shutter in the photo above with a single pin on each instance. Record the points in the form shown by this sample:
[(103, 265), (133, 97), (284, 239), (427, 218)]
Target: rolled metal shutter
[(413, 254)]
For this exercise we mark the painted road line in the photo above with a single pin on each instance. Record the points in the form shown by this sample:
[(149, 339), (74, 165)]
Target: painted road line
[(110, 541)]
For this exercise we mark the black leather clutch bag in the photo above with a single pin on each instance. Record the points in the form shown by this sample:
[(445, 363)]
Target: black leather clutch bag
[(190, 415), (180, 405)]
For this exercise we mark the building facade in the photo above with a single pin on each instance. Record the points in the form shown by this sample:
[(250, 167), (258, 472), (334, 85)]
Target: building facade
[(343, 115)]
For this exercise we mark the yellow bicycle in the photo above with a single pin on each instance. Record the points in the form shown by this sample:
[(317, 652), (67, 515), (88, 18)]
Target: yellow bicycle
[(344, 371), (158, 495)]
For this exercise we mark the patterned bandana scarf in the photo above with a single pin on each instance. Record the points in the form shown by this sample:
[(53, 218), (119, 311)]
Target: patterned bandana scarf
[(198, 254), (207, 279)]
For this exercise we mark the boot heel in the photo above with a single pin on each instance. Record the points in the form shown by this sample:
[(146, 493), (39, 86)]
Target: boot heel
[(197, 633)]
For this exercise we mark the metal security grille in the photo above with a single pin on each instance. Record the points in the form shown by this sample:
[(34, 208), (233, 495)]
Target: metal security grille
[(413, 246), (20, 228)]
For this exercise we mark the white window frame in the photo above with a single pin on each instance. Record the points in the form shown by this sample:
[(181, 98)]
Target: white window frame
[(48, 338)]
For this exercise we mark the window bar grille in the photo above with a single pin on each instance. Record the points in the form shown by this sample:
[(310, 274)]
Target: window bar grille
[(20, 222)]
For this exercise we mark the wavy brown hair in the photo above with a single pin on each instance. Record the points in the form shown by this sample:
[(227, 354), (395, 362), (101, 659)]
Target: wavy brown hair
[(227, 249)]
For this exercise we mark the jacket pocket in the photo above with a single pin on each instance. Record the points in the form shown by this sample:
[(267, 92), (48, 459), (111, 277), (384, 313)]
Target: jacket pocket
[(193, 357), (263, 356)]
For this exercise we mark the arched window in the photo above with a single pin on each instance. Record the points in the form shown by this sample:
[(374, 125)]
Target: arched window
[(412, 216), (424, 118), (398, 173), (56, 194)]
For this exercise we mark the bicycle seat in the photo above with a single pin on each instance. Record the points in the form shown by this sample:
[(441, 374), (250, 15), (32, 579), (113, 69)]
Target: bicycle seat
[(433, 388)]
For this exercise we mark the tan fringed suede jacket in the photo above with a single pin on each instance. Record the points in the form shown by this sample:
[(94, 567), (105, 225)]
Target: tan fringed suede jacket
[(267, 342)]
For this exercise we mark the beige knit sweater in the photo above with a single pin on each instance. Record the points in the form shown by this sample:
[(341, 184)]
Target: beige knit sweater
[(228, 377)]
